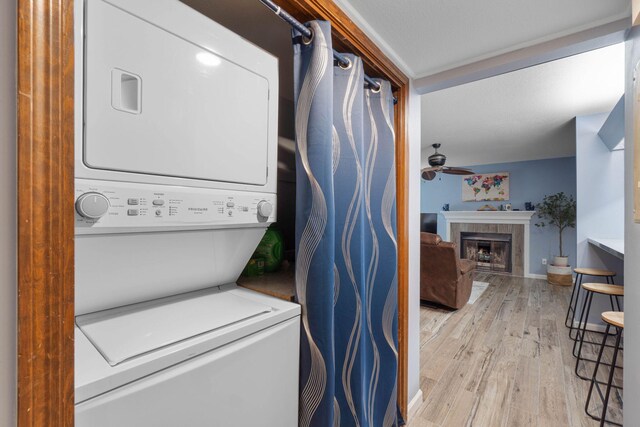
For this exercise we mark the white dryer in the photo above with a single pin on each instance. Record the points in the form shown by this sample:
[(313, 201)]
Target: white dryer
[(176, 142)]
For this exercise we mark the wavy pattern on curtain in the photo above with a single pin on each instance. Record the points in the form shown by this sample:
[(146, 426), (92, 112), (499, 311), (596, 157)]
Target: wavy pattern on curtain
[(346, 251)]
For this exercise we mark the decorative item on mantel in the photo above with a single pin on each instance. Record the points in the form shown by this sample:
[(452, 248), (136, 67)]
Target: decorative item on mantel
[(558, 210), (487, 208)]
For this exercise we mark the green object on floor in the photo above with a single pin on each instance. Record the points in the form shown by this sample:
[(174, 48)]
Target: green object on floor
[(255, 267), (271, 250)]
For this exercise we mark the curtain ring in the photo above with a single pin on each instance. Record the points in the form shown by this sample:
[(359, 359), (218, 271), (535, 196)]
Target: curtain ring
[(307, 40), (345, 66), (376, 90)]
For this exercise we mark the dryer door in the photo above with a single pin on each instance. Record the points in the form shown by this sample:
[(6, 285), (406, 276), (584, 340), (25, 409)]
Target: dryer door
[(158, 103)]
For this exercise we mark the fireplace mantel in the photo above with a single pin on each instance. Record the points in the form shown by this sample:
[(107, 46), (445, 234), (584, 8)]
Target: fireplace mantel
[(493, 217), (489, 217)]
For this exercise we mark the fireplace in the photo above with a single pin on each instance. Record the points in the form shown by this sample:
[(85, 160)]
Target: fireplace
[(491, 251), (515, 223)]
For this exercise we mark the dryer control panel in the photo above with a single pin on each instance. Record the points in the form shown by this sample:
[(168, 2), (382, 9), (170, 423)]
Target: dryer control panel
[(117, 207)]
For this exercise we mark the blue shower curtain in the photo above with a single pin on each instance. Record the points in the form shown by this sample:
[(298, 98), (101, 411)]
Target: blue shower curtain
[(346, 251)]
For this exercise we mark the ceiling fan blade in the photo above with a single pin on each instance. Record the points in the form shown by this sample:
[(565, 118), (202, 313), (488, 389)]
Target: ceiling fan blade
[(457, 171), (434, 169), (428, 174)]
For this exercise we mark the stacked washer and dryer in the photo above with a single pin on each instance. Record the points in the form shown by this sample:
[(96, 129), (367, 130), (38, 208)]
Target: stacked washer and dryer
[(176, 144)]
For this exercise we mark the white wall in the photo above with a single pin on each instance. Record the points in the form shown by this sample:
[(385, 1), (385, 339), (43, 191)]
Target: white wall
[(600, 200), (600, 182), (7, 213), (413, 121), (631, 249)]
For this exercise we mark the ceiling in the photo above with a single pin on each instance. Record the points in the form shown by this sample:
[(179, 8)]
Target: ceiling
[(431, 36), (522, 115)]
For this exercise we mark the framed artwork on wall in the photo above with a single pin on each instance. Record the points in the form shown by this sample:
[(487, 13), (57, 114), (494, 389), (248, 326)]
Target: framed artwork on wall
[(485, 186)]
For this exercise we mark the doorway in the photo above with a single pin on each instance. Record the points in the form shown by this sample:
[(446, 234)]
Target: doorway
[(506, 345), (46, 180)]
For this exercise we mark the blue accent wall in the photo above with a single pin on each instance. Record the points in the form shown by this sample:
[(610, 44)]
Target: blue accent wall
[(530, 182)]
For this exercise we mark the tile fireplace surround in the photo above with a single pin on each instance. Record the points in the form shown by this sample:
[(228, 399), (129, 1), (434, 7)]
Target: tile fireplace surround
[(516, 223)]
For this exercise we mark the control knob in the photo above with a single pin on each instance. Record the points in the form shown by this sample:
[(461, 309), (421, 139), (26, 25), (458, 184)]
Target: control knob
[(92, 205), (264, 209)]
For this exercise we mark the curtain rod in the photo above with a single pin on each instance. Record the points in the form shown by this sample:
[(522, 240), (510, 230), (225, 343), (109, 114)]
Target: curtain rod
[(342, 60)]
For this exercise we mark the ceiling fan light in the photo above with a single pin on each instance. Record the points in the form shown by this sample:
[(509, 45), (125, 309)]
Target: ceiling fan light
[(437, 159), (428, 175)]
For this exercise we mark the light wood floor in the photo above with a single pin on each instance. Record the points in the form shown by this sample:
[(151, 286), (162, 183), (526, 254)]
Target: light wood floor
[(505, 360)]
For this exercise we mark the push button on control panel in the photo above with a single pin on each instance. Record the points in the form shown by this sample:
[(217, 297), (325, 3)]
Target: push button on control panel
[(132, 212), (158, 202), (132, 201), (230, 204)]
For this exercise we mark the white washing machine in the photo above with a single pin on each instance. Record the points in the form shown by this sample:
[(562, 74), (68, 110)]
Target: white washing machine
[(176, 142)]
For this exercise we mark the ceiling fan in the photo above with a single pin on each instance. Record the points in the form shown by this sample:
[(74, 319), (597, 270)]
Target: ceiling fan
[(437, 161)]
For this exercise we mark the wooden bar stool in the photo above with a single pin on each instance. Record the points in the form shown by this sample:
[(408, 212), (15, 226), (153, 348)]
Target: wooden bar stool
[(614, 292), (615, 319), (575, 294)]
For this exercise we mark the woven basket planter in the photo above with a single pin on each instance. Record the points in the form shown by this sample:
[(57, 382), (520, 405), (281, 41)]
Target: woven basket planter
[(559, 275)]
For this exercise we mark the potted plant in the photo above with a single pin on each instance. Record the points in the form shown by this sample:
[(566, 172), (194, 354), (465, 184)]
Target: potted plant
[(558, 210)]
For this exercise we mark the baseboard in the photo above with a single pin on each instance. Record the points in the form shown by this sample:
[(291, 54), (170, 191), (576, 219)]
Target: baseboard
[(414, 405), (593, 327), (542, 277)]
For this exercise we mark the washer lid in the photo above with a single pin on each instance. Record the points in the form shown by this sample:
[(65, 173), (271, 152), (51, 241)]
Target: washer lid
[(125, 332)]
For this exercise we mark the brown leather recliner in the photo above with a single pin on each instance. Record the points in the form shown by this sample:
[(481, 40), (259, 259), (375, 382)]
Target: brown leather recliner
[(444, 277)]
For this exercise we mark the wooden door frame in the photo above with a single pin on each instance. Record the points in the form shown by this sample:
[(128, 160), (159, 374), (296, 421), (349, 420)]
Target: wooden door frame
[(46, 198), (45, 213)]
